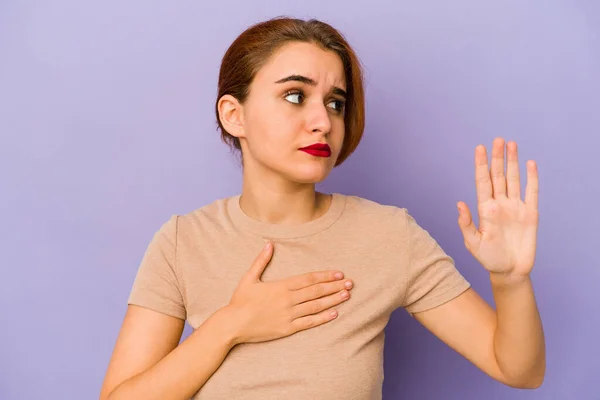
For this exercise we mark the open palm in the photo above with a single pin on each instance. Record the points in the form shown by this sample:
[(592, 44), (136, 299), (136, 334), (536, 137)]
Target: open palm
[(505, 241)]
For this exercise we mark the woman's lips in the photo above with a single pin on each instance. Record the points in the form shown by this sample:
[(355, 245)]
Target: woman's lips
[(318, 150), (317, 153)]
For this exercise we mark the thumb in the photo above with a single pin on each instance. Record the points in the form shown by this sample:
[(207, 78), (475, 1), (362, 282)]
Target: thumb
[(465, 222), (260, 263)]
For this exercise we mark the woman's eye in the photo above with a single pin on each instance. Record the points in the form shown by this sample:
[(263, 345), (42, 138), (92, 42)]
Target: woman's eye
[(294, 98), (337, 105)]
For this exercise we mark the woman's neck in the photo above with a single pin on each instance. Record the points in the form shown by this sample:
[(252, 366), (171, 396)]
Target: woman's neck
[(289, 206)]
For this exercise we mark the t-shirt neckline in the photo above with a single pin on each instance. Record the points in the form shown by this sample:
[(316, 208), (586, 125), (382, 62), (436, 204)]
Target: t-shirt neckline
[(281, 231)]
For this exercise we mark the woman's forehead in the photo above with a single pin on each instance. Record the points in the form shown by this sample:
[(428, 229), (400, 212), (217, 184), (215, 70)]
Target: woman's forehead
[(306, 60)]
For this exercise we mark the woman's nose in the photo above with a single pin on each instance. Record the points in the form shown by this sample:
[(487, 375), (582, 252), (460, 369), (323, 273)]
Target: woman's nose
[(319, 119)]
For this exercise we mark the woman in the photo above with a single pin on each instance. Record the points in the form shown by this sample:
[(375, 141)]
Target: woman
[(265, 277)]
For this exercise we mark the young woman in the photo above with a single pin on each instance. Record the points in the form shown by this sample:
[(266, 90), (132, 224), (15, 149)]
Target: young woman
[(288, 289)]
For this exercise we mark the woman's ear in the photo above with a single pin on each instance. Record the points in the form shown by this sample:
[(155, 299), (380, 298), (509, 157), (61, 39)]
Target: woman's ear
[(231, 116)]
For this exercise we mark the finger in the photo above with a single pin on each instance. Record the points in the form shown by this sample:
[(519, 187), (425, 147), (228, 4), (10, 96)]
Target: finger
[(319, 290), (311, 321), (471, 234), (497, 172), (513, 181), (318, 305), (260, 263), (532, 189), (312, 278), (483, 183)]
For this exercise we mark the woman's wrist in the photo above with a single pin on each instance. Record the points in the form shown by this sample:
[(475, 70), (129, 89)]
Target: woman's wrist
[(227, 326)]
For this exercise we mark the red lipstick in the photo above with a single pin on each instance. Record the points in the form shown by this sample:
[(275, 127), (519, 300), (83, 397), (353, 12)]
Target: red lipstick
[(318, 150)]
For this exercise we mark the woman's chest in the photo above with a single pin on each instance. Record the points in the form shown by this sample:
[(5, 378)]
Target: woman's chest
[(209, 278), (342, 358)]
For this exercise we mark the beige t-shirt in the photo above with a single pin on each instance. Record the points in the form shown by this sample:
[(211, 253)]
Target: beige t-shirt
[(195, 261)]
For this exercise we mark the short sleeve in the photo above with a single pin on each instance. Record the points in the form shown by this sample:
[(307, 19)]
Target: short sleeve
[(156, 284), (432, 277)]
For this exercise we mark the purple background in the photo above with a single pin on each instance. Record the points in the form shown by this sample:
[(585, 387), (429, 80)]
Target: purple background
[(107, 128)]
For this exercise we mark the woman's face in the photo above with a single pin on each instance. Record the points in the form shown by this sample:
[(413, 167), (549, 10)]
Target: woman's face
[(296, 100)]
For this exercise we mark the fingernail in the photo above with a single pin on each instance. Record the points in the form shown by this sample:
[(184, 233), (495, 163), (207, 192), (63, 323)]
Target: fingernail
[(268, 246), (348, 284), (339, 275)]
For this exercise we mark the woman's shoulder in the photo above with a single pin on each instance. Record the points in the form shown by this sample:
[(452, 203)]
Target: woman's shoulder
[(362, 205), (211, 212), (200, 217), (370, 215)]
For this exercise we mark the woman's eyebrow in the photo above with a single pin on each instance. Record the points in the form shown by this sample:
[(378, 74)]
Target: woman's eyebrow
[(303, 79)]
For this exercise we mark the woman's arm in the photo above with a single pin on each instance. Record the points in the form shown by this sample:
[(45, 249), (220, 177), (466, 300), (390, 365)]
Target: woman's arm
[(147, 362), (507, 344), (519, 337)]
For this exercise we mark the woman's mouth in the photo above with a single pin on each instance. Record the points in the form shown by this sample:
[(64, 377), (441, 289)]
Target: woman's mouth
[(318, 150)]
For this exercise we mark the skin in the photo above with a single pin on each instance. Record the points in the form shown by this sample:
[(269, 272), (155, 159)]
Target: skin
[(274, 122), (279, 187)]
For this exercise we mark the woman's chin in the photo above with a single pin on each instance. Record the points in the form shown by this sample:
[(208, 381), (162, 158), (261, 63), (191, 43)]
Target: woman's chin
[(310, 174)]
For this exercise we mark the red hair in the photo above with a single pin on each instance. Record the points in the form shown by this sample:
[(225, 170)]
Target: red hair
[(251, 49)]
